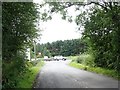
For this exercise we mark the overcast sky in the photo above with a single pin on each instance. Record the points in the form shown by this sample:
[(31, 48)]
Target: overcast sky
[(58, 29)]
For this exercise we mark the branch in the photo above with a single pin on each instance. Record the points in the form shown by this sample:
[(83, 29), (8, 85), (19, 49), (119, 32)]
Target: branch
[(84, 4), (104, 7)]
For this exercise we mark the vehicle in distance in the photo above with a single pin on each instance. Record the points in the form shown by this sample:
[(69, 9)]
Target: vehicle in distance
[(46, 58), (64, 58), (57, 58)]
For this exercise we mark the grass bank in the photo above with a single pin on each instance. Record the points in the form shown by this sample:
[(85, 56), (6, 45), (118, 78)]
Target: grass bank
[(99, 70), (27, 80)]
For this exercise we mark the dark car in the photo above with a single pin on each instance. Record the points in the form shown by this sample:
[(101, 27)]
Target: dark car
[(64, 58)]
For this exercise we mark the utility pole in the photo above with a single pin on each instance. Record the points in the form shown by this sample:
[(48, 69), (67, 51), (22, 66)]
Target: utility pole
[(35, 50), (28, 53)]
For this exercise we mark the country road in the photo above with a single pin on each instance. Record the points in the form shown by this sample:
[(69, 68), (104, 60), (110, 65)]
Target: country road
[(57, 74)]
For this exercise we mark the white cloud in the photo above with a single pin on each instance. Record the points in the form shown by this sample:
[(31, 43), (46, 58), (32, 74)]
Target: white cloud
[(38, 1)]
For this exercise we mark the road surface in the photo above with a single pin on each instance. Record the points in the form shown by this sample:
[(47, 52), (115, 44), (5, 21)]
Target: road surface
[(57, 74)]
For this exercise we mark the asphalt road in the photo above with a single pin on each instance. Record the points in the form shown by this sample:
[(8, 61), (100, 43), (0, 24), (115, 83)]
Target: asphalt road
[(57, 74)]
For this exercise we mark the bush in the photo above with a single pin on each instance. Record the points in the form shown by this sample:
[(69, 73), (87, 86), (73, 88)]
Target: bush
[(88, 60), (35, 62), (79, 59), (13, 69), (85, 59), (27, 79), (29, 64)]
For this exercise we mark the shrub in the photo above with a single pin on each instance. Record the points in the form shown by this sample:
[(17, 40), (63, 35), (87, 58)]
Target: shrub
[(85, 59), (35, 62), (88, 60), (13, 69), (79, 59)]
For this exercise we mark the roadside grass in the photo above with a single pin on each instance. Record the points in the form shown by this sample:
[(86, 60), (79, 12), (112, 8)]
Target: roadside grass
[(73, 58), (99, 70), (27, 80)]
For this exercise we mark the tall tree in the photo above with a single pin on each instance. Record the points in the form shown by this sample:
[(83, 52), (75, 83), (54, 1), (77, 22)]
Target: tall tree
[(18, 31), (18, 26)]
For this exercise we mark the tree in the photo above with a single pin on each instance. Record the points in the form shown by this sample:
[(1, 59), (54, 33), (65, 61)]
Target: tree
[(102, 31), (19, 30), (18, 26)]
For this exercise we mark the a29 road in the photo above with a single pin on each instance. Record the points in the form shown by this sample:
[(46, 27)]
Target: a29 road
[(57, 74)]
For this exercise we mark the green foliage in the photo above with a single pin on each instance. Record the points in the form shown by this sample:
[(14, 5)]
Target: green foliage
[(13, 69), (84, 59), (73, 58), (43, 50), (65, 48), (18, 31), (20, 75), (35, 62), (101, 31), (27, 79), (18, 27)]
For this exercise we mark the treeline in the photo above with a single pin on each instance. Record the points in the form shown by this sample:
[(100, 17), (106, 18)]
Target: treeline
[(65, 48)]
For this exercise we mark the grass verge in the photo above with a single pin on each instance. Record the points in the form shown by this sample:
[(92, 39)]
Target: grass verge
[(27, 80), (103, 71), (72, 57)]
